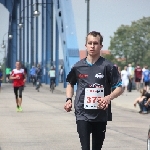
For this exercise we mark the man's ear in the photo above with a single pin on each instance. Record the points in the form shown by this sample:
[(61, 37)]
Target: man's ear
[(85, 46)]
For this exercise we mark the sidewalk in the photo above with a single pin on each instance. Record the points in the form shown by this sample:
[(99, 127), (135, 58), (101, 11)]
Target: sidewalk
[(123, 101)]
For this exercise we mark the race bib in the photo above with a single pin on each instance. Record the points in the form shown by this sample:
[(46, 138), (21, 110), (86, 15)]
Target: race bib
[(91, 97)]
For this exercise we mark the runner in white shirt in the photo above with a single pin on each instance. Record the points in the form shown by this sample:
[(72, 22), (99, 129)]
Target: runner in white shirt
[(125, 78)]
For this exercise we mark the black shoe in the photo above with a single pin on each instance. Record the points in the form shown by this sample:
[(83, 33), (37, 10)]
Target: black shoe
[(140, 111)]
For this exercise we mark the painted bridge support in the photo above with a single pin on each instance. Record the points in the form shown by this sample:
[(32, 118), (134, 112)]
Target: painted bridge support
[(37, 40)]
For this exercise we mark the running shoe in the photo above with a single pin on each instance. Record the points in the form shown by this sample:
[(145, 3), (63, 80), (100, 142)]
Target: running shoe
[(17, 109), (20, 108)]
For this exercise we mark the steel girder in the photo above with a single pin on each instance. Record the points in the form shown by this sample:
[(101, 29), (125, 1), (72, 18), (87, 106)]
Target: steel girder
[(67, 32), (34, 42)]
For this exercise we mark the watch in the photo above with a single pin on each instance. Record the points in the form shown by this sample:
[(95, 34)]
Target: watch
[(67, 99)]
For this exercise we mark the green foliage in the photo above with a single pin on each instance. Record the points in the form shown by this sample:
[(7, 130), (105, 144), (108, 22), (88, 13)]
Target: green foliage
[(132, 43), (110, 58)]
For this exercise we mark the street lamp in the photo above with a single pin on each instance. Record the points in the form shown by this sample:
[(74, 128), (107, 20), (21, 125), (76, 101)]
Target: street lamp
[(9, 37), (20, 25), (36, 13), (88, 12), (4, 47)]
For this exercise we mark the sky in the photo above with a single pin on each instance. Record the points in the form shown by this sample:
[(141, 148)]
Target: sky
[(105, 17)]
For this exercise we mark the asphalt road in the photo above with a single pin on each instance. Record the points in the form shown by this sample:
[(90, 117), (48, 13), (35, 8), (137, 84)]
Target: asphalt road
[(44, 125)]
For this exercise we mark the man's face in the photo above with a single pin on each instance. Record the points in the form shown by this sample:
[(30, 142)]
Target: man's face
[(93, 45), (18, 66), (125, 68)]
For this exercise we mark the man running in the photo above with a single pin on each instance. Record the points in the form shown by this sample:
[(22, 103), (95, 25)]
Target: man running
[(18, 77), (95, 78)]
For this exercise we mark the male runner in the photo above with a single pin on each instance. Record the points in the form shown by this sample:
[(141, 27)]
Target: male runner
[(18, 77), (95, 78)]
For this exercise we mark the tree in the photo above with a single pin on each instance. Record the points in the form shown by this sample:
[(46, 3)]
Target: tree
[(132, 42)]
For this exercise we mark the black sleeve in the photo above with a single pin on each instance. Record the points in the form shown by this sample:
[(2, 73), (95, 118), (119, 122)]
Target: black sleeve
[(25, 69), (147, 95), (114, 77), (71, 77)]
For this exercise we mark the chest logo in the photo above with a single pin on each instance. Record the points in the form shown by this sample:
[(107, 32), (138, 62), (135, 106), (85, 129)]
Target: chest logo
[(99, 75), (82, 75)]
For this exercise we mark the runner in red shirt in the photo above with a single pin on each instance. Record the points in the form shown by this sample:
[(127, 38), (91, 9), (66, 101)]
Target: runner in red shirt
[(18, 77), (138, 76)]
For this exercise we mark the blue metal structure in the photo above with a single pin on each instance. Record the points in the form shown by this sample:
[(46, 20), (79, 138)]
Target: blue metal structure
[(35, 42)]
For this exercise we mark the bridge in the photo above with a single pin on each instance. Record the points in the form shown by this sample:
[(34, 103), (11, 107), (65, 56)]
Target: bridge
[(35, 29)]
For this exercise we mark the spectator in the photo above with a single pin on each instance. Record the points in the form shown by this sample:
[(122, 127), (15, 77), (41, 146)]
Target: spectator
[(147, 104), (138, 76), (38, 75), (8, 71), (61, 72), (142, 80), (146, 78), (33, 74), (142, 101), (52, 75), (130, 70), (39, 72), (125, 78)]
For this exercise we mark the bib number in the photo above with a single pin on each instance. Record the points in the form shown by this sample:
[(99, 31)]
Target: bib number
[(91, 97)]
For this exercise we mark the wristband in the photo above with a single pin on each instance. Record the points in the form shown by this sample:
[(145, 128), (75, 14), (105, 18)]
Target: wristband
[(69, 99)]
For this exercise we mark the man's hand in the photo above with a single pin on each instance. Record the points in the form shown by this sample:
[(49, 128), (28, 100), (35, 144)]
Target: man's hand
[(103, 102), (68, 106), (17, 77), (134, 104), (24, 80)]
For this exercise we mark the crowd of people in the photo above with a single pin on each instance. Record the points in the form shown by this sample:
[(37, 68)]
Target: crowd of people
[(140, 77)]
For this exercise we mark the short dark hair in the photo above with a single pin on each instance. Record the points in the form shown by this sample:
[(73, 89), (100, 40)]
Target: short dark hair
[(95, 34), (18, 61)]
